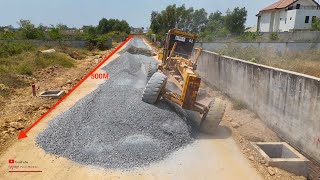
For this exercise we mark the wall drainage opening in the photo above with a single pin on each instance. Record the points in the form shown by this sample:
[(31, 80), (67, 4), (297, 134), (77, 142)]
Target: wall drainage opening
[(52, 94), (282, 155)]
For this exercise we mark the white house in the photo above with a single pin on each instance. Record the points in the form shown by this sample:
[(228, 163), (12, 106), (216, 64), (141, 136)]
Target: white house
[(288, 15)]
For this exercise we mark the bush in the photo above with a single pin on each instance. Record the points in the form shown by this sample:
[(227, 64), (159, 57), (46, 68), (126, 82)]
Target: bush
[(248, 36), (274, 36), (25, 69), (55, 34), (95, 41), (315, 24), (246, 53), (14, 48), (101, 40)]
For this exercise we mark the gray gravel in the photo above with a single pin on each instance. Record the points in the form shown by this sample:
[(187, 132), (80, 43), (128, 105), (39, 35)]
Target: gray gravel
[(112, 128)]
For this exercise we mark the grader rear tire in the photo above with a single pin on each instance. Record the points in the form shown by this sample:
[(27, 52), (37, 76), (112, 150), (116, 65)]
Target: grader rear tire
[(212, 119), (155, 85)]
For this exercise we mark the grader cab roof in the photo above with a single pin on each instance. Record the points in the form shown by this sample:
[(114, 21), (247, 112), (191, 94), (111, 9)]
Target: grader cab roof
[(185, 42)]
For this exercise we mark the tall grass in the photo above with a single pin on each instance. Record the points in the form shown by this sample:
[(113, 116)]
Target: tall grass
[(8, 49), (46, 60), (306, 62), (29, 62)]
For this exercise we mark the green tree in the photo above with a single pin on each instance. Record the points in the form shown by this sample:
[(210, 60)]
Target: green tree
[(122, 26), (91, 33), (105, 26), (211, 27), (184, 17), (176, 17), (155, 25), (61, 26), (199, 21), (215, 27), (29, 30), (216, 21), (235, 20), (55, 34)]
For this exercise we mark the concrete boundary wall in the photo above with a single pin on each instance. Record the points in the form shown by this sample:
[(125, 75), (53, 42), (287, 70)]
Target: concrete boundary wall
[(288, 102), (279, 46)]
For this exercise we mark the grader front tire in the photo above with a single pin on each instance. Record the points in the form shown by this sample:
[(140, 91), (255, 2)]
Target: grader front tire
[(155, 85), (151, 70)]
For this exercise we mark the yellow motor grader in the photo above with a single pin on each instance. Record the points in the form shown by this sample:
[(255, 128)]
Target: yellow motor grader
[(176, 80)]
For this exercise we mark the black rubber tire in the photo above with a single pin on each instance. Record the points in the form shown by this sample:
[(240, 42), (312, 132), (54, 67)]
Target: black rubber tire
[(152, 92), (212, 119), (152, 69)]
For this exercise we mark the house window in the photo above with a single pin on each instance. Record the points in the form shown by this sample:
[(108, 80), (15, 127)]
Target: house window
[(307, 19), (298, 6), (285, 20), (314, 19), (290, 18)]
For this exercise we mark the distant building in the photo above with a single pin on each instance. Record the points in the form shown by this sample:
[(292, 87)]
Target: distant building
[(8, 28), (69, 31), (137, 30), (288, 15)]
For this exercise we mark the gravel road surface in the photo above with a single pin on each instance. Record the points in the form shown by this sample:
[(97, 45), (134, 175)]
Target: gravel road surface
[(112, 127)]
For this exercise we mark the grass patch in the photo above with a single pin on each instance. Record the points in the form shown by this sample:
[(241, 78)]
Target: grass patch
[(25, 69), (28, 62), (46, 60), (75, 53), (238, 105)]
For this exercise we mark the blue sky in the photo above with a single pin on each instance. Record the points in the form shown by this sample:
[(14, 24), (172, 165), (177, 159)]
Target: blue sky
[(76, 13)]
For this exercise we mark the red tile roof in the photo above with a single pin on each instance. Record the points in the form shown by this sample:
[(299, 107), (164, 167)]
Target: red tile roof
[(281, 4)]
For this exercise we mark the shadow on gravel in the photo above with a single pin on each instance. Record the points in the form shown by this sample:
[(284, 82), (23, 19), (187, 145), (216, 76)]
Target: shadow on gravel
[(193, 120)]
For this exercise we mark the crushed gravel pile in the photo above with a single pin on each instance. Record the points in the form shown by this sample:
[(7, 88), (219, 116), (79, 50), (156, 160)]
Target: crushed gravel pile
[(137, 46), (135, 50), (111, 127)]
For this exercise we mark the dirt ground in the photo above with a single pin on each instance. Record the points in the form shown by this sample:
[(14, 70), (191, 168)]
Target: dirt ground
[(246, 127), (21, 108)]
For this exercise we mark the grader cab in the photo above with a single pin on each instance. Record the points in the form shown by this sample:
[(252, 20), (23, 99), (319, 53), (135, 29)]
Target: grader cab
[(176, 80)]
